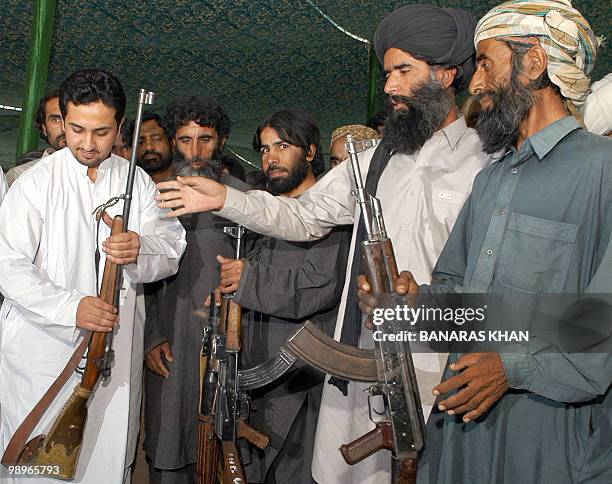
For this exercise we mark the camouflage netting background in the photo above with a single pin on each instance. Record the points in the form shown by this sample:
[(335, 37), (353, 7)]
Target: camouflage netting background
[(254, 56)]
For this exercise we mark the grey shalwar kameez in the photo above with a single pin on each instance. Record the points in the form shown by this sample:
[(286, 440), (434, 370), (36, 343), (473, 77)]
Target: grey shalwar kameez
[(171, 405), (284, 284)]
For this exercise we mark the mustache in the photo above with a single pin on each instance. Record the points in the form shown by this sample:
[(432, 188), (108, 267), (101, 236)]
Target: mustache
[(275, 166), (151, 152), (397, 98)]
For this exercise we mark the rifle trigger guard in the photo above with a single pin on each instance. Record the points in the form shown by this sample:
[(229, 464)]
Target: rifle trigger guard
[(373, 392)]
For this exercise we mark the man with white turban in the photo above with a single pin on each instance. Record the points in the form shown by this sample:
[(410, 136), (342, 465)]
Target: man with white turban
[(597, 109), (537, 224)]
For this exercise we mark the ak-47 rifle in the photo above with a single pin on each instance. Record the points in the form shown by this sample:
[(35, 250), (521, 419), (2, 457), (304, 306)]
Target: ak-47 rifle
[(389, 366), (224, 406), (403, 430), (58, 451)]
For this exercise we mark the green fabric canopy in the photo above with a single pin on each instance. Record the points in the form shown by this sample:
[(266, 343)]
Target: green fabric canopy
[(254, 56)]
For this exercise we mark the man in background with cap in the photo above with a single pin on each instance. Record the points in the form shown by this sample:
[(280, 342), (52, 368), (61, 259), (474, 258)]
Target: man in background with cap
[(337, 150), (423, 169)]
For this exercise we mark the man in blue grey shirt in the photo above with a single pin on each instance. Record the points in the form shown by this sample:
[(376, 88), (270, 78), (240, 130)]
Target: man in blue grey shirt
[(538, 221)]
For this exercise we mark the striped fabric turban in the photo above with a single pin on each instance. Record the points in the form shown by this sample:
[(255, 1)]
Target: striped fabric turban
[(563, 33)]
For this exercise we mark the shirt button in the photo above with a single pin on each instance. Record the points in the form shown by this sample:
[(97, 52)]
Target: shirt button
[(489, 252), (500, 211), (412, 193), (514, 171)]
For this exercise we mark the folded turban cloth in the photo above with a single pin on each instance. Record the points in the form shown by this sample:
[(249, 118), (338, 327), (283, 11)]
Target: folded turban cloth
[(598, 107), (563, 33), (357, 131), (442, 36)]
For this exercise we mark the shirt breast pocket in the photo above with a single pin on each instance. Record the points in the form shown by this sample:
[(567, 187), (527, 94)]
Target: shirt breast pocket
[(536, 253), (446, 204)]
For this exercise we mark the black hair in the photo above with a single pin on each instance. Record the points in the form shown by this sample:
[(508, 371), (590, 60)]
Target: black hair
[(150, 116), (296, 127), (41, 115), (127, 128), (204, 111), (234, 167), (127, 131), (377, 119), (91, 85)]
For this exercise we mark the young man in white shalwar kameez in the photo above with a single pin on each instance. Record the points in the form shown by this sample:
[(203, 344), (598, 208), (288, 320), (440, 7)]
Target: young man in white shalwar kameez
[(48, 278)]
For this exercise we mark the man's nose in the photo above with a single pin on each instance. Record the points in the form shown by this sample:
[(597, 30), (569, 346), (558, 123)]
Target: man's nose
[(476, 84), (89, 142)]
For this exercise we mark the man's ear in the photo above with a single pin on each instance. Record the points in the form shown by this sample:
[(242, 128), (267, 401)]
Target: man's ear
[(222, 142), (311, 153), (173, 144), (446, 76), (535, 63), (44, 128)]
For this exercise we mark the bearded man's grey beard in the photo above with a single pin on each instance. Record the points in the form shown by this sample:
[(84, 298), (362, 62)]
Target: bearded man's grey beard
[(499, 126), (407, 130), (212, 169)]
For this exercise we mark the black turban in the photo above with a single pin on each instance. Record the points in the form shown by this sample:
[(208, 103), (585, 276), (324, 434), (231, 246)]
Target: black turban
[(441, 36)]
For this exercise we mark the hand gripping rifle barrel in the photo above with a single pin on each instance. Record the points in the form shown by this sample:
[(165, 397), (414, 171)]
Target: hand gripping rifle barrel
[(59, 450), (403, 430)]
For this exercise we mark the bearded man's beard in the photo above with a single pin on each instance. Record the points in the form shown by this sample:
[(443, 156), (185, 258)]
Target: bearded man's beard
[(152, 166), (407, 130), (212, 169), (499, 126), (294, 178)]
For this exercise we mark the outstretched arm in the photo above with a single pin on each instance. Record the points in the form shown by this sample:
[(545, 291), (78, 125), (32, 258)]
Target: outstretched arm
[(327, 204)]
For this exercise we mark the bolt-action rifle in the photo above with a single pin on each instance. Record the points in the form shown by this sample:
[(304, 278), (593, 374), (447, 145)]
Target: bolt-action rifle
[(224, 406), (58, 451)]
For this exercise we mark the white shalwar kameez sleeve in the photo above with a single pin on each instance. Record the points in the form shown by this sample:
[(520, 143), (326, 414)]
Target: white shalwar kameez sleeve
[(3, 185), (47, 265)]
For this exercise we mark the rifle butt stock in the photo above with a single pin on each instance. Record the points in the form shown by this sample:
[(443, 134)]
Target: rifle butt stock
[(233, 473), (207, 466), (61, 447)]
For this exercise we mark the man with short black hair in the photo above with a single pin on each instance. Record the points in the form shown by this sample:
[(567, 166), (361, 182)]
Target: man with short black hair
[(51, 129), (50, 276), (154, 152)]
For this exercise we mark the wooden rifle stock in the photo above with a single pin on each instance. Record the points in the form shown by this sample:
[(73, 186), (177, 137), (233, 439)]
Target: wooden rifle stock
[(233, 321), (61, 447), (207, 467)]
